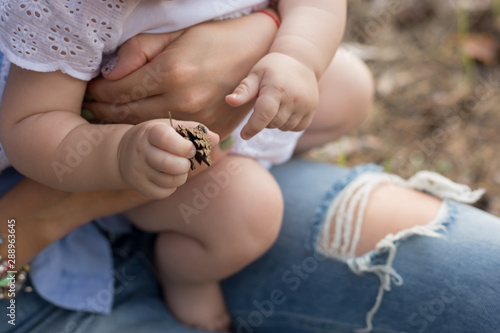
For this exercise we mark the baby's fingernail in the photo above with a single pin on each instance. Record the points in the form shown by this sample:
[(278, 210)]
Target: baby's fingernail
[(87, 115), (245, 135), (192, 152), (110, 65), (227, 143)]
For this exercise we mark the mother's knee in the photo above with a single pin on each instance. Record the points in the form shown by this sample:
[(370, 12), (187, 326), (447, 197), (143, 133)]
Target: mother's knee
[(375, 206)]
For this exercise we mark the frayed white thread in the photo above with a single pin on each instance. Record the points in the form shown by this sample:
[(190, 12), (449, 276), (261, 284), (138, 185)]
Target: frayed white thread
[(443, 188), (386, 273), (354, 198)]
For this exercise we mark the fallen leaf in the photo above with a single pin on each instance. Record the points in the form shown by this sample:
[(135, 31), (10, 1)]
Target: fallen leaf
[(480, 47)]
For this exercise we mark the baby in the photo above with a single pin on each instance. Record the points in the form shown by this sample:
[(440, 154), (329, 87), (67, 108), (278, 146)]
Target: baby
[(216, 222)]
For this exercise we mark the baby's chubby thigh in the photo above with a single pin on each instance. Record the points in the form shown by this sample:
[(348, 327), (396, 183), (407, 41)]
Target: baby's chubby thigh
[(234, 206)]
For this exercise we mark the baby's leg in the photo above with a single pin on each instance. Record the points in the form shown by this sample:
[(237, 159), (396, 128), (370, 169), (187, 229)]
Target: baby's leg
[(211, 227), (346, 94)]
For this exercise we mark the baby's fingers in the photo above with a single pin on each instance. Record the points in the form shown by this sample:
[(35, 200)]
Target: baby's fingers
[(167, 163), (289, 124), (266, 108), (164, 137), (245, 91), (166, 182)]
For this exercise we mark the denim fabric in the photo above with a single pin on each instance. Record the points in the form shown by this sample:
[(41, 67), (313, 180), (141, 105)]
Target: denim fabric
[(8, 179), (451, 284), (70, 271)]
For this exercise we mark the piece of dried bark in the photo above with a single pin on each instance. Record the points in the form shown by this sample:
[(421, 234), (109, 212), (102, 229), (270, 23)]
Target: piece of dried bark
[(199, 137)]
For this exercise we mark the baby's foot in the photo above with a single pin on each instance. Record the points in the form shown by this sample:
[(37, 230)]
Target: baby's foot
[(199, 306)]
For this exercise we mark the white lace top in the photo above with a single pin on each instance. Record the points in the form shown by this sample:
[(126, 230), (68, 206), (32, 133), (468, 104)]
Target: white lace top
[(73, 36)]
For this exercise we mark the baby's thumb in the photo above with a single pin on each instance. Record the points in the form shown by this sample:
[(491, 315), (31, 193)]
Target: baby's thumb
[(247, 90)]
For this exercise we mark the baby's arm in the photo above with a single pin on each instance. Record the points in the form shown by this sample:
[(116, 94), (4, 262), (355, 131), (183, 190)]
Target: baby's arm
[(46, 139), (285, 80)]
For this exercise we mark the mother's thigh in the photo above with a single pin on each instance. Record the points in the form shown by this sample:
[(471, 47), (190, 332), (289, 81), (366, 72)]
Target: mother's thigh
[(424, 279)]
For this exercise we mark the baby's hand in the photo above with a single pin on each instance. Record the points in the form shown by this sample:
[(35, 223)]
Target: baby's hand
[(287, 95), (154, 158)]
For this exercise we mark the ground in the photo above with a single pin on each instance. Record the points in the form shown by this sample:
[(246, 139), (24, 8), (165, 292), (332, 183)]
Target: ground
[(437, 91)]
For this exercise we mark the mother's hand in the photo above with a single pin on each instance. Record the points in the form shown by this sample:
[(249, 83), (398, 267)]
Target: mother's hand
[(188, 73)]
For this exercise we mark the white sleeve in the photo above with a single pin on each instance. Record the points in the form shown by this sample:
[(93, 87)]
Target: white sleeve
[(70, 36), (271, 146)]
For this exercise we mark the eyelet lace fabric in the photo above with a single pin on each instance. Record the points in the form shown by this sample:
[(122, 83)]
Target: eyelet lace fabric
[(73, 35), (66, 35)]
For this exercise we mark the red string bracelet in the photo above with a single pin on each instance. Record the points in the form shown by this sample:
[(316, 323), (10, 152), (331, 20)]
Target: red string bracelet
[(271, 16)]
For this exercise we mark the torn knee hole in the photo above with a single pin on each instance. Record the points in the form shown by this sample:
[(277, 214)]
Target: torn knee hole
[(340, 235), (340, 232)]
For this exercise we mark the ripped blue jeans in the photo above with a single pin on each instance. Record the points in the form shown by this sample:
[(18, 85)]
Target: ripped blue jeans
[(441, 277)]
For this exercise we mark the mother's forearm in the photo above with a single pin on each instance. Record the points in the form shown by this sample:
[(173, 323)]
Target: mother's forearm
[(44, 215)]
